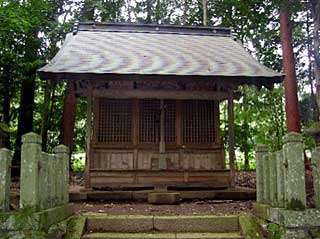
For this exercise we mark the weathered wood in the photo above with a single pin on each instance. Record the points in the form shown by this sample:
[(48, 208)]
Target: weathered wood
[(69, 116), (219, 178), (113, 159), (88, 140), (178, 123), (217, 136), (162, 146), (231, 137), (161, 94)]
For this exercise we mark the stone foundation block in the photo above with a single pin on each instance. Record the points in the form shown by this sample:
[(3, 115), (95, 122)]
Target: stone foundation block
[(164, 198), (119, 223), (196, 223)]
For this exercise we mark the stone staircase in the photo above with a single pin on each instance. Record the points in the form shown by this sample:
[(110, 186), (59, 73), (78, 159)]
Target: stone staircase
[(102, 226)]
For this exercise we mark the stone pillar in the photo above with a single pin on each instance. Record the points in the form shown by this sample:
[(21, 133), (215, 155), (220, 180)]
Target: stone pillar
[(266, 177), (62, 153), (273, 179), (29, 179), (5, 178), (44, 181), (316, 175), (280, 178), (51, 179), (261, 150), (295, 191)]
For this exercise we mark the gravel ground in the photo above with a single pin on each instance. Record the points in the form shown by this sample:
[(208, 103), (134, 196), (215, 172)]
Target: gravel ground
[(213, 207)]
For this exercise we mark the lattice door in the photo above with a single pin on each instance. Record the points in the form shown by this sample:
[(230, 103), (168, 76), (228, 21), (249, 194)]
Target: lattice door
[(149, 120), (170, 121), (115, 121), (198, 121)]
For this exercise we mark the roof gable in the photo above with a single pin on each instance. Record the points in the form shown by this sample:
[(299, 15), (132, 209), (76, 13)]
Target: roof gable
[(155, 50)]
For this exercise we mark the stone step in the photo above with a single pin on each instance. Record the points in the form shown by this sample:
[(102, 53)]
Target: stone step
[(157, 235), (141, 223)]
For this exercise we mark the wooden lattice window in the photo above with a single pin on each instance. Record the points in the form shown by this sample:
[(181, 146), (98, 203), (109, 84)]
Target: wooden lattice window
[(149, 120), (115, 121), (198, 121), (170, 121)]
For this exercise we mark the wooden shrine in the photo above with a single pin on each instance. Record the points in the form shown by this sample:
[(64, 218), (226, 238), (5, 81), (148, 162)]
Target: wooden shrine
[(153, 94)]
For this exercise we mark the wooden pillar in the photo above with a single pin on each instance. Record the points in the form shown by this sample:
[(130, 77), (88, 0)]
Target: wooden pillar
[(231, 136), (69, 116), (88, 139), (162, 146)]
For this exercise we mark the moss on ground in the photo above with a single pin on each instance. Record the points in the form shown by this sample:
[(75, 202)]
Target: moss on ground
[(250, 227), (275, 231), (75, 227)]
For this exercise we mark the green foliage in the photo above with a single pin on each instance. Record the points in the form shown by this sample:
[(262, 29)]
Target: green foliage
[(77, 164), (6, 129), (32, 31), (259, 119), (275, 231)]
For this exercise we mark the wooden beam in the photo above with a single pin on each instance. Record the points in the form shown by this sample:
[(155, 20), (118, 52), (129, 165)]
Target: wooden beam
[(162, 146), (161, 94), (88, 140), (231, 137)]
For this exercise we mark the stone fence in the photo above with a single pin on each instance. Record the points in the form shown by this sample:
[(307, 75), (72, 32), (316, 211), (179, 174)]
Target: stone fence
[(281, 174), (44, 177)]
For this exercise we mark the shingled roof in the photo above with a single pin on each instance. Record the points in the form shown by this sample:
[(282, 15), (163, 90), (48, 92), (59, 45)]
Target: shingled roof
[(161, 50)]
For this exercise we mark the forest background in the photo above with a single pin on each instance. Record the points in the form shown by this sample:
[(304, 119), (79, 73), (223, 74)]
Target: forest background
[(31, 32)]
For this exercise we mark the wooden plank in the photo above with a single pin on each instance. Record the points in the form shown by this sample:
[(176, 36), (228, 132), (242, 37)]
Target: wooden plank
[(178, 123), (162, 145), (161, 94), (88, 139), (231, 137), (217, 137)]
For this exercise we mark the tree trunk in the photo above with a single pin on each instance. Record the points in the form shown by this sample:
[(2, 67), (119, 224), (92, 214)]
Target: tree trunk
[(6, 104), (315, 108), (45, 114), (315, 9), (290, 83), (149, 11), (69, 116), (205, 13), (25, 119)]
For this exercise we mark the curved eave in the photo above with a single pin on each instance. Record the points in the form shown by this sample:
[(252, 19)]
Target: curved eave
[(238, 80)]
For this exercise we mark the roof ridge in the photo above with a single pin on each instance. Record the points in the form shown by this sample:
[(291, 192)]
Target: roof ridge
[(152, 28)]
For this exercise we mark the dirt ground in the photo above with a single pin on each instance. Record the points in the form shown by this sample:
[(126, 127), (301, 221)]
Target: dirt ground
[(213, 207)]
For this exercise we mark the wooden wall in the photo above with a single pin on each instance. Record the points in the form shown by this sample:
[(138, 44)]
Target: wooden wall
[(127, 161)]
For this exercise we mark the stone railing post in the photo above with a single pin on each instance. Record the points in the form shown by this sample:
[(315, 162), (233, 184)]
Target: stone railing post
[(62, 154), (29, 180), (295, 192), (51, 176), (266, 179), (5, 178), (273, 179), (261, 150), (280, 178), (316, 175), (44, 181)]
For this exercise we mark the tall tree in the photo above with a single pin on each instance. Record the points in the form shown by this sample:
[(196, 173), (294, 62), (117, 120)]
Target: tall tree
[(291, 96), (205, 12), (315, 9)]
